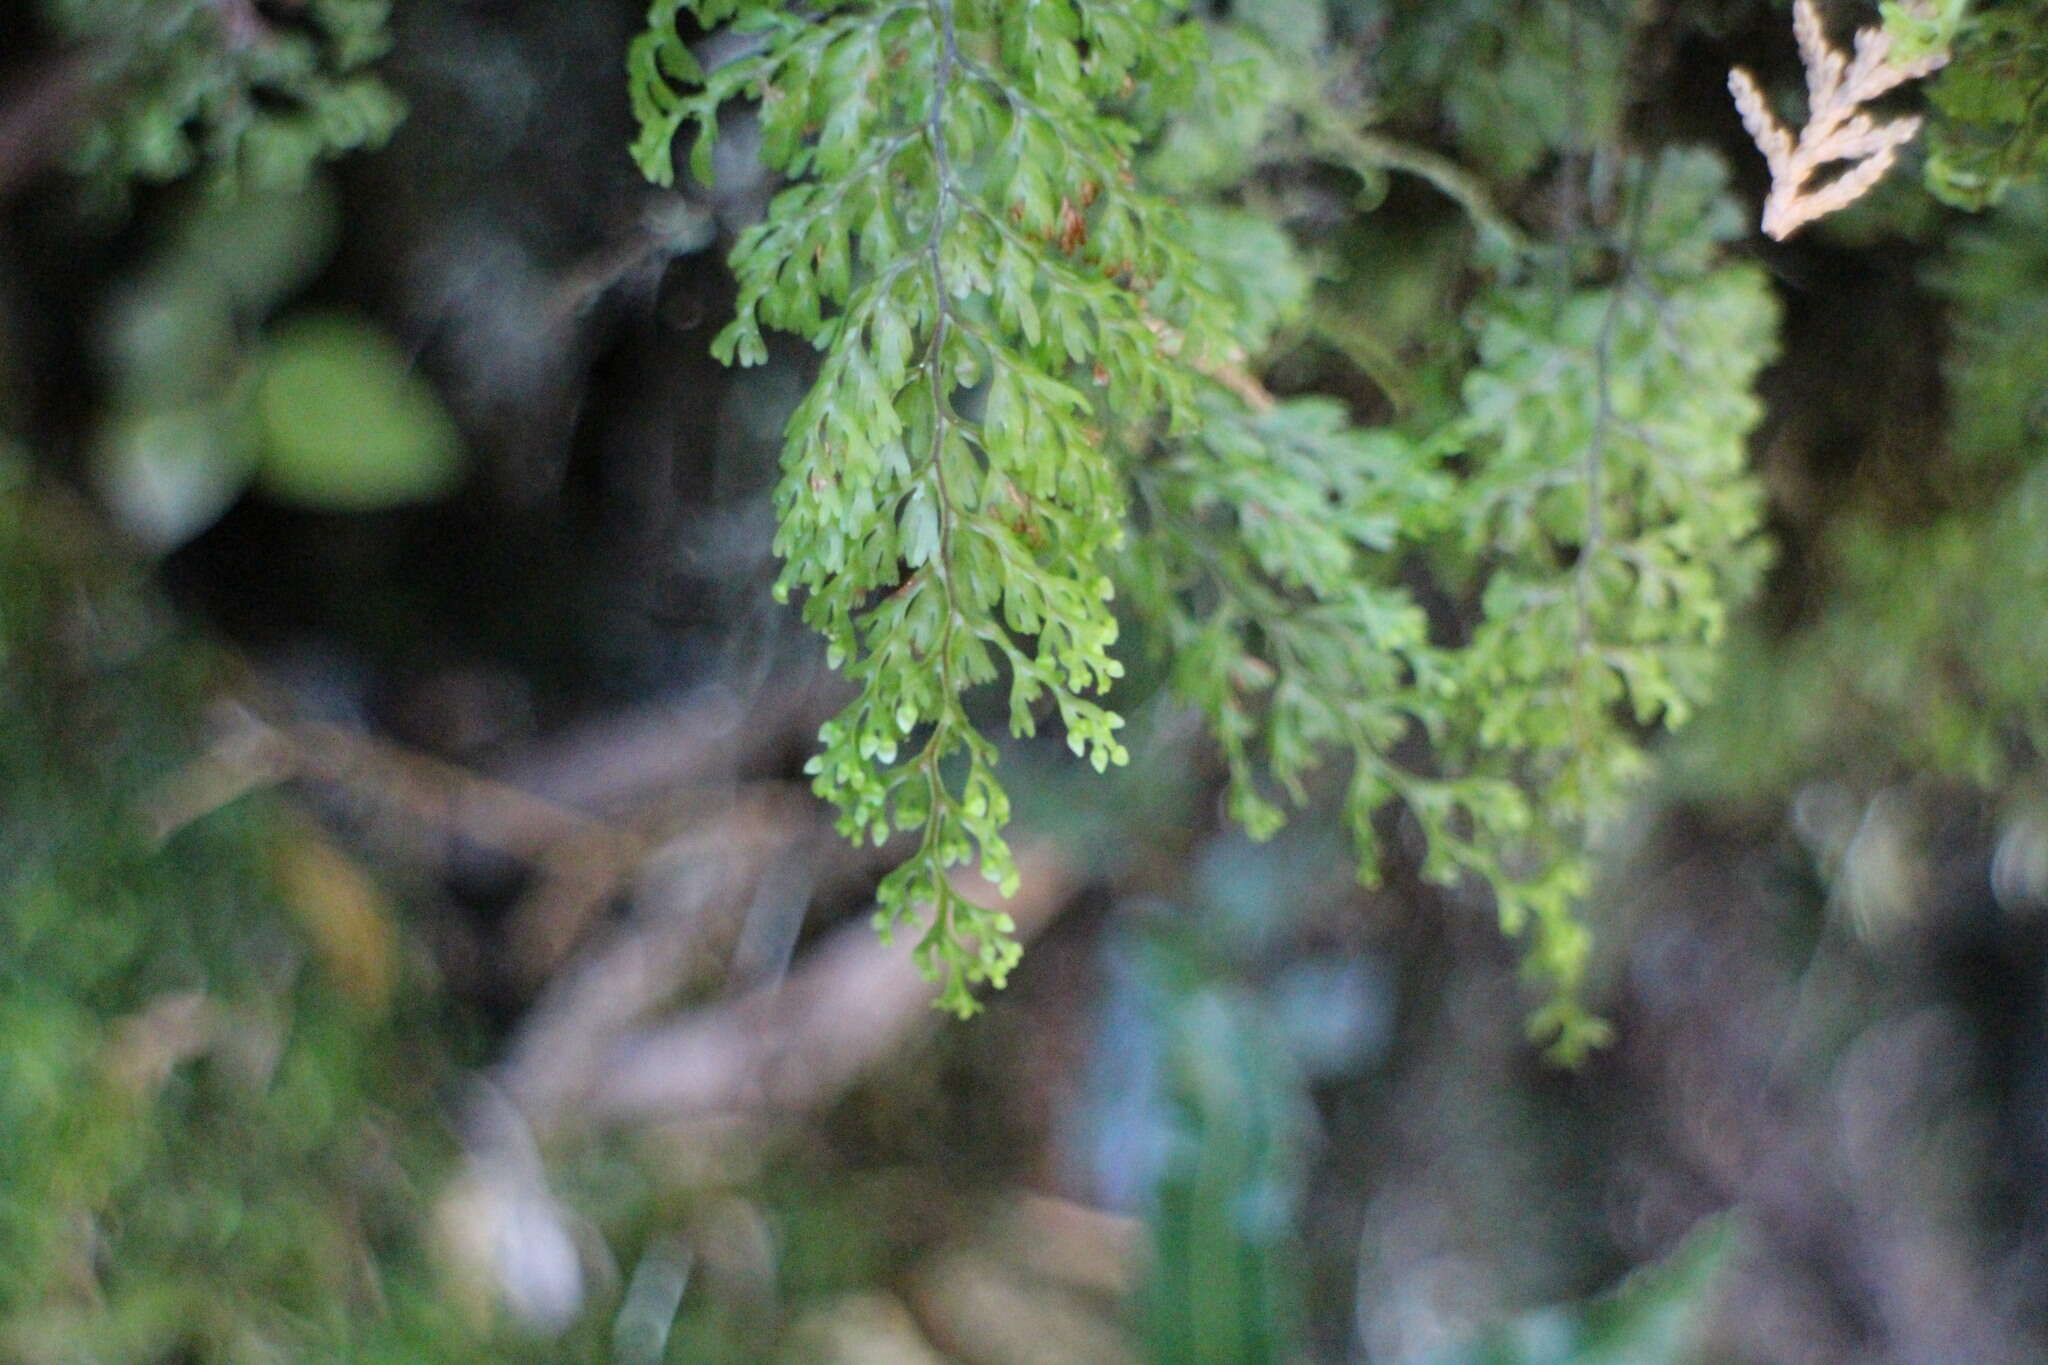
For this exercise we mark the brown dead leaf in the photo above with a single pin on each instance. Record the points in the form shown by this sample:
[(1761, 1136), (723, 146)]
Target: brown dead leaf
[(344, 913)]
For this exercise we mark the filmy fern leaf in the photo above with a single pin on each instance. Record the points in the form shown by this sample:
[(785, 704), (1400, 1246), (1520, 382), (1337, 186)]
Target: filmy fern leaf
[(1032, 378), (1269, 554), (1610, 505), (999, 310), (1598, 515)]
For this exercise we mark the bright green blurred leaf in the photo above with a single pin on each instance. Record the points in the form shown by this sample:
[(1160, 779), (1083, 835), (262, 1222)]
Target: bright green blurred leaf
[(347, 425)]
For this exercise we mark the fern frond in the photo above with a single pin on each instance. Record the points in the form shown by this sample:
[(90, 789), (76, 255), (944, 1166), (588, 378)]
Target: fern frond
[(963, 240), (1611, 505), (1018, 341)]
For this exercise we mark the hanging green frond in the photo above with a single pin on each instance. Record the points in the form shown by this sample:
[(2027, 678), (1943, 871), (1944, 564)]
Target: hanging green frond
[(1610, 511), (250, 95), (1000, 310), (1023, 350)]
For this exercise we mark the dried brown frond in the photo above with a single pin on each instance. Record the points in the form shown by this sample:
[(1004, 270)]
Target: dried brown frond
[(1836, 127)]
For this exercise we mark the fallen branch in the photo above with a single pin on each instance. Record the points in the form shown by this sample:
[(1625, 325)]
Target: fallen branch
[(690, 914), (794, 1049), (580, 861)]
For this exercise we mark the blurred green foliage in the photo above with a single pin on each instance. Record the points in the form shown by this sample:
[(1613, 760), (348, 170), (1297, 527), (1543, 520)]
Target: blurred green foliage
[(345, 422), (242, 96), (205, 1140), (1990, 126), (1924, 652), (206, 396)]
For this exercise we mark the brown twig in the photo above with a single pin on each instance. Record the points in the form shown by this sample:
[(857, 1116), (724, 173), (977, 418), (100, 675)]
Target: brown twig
[(580, 861), (692, 910), (251, 753), (853, 1002), (654, 774)]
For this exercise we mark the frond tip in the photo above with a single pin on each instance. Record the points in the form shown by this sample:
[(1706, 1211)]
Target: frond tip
[(1836, 128)]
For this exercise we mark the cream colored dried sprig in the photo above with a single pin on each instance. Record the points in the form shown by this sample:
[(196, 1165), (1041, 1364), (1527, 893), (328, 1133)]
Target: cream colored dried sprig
[(1836, 129)]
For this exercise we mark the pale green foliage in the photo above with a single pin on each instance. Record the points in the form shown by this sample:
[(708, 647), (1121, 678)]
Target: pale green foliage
[(1609, 502), (1919, 28), (185, 84), (1600, 513), (323, 411), (962, 241), (1023, 352), (346, 423)]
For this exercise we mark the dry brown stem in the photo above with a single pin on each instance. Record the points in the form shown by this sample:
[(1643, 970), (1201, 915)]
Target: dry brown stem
[(851, 1003)]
